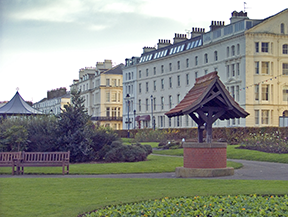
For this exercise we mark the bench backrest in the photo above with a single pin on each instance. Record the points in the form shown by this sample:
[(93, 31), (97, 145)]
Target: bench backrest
[(9, 156), (45, 156)]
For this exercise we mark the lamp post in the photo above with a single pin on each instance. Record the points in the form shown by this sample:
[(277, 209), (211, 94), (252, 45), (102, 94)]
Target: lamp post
[(153, 125), (128, 121), (134, 118)]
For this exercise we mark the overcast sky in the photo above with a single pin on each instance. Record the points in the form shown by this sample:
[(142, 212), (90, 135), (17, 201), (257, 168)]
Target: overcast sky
[(44, 43)]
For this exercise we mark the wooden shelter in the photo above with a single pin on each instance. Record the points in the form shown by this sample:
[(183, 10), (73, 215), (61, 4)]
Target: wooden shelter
[(207, 101)]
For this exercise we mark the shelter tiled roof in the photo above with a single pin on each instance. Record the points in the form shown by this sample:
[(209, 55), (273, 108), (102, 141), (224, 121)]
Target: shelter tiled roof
[(208, 91), (17, 106)]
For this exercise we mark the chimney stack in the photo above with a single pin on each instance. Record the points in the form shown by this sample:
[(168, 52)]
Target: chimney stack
[(197, 32), (163, 43), (216, 25), (148, 49), (179, 37), (237, 16)]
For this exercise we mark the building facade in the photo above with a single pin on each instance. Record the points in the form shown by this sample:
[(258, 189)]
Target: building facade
[(101, 87), (250, 56), (55, 101)]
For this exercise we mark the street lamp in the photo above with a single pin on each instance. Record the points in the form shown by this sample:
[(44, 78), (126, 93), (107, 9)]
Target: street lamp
[(153, 125), (134, 118), (128, 121)]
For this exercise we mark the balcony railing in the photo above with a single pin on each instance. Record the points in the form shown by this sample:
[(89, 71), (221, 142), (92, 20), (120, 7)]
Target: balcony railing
[(103, 118)]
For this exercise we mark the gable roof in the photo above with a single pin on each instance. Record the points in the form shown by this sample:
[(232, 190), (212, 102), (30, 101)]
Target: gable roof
[(115, 70), (208, 91), (17, 106)]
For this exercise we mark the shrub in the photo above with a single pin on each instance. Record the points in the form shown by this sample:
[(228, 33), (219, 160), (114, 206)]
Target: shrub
[(128, 153)]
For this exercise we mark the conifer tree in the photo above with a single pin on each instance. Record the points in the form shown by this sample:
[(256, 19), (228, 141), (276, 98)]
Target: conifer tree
[(74, 131)]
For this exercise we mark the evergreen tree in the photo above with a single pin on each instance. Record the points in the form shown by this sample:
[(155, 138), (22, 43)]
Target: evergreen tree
[(74, 130)]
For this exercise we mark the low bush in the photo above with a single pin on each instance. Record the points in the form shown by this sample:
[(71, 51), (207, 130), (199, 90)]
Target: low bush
[(170, 145), (266, 142), (126, 153), (240, 205)]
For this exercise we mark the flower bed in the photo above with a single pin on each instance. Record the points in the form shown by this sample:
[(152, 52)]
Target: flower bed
[(266, 142), (241, 205)]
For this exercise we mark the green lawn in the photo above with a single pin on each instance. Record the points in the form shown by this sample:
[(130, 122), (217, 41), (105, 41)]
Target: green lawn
[(154, 164), (234, 153), (73, 196)]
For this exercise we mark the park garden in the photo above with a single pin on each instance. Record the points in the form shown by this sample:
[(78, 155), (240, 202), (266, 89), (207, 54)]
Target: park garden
[(98, 150)]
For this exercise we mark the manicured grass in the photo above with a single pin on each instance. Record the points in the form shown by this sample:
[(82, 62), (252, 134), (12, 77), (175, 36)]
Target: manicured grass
[(234, 153), (154, 164), (73, 196)]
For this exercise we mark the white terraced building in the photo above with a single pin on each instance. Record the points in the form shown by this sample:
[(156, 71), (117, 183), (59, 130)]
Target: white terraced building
[(250, 56)]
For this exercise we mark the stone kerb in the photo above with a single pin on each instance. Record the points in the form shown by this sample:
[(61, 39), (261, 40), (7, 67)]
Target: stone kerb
[(204, 160)]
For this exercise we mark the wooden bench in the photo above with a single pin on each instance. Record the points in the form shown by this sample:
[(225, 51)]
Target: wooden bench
[(44, 159), (10, 159)]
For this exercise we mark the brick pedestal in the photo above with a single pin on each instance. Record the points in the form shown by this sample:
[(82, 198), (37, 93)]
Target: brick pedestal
[(204, 160)]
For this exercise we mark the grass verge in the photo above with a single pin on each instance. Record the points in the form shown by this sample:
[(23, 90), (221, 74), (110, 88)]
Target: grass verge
[(234, 153), (73, 196)]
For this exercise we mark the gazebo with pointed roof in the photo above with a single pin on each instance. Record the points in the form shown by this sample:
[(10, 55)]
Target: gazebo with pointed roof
[(210, 100), (18, 106)]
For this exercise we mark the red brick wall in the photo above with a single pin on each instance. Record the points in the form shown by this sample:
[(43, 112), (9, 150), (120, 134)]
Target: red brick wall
[(205, 158)]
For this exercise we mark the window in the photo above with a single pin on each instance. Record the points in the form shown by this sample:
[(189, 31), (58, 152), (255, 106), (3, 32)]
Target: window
[(265, 68), (238, 49), (264, 116), (129, 76), (108, 82), (170, 101), (162, 83), (282, 28), (162, 102), (238, 69), (205, 58), (256, 116), (154, 103), (196, 60), (227, 51), (233, 50), (162, 68), (187, 79), (257, 68), (264, 47), (140, 89), (178, 65), (285, 68), (237, 93), (256, 91), (108, 97), (170, 67), (233, 92), (178, 98), (265, 92), (205, 71), (228, 71), (147, 72), (215, 56), (114, 97), (139, 73), (114, 112), (154, 70), (257, 47), (169, 122), (147, 87), (178, 80), (154, 84), (285, 49), (147, 105), (196, 75), (107, 112), (139, 105), (187, 63), (233, 69), (285, 93), (170, 82)]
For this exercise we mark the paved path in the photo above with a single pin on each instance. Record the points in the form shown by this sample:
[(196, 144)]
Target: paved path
[(251, 170)]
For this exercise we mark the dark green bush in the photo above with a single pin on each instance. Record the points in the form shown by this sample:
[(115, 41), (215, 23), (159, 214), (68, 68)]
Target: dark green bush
[(127, 153)]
